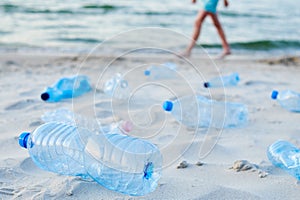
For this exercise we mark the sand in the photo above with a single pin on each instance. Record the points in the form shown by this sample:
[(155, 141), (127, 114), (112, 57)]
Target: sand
[(25, 76)]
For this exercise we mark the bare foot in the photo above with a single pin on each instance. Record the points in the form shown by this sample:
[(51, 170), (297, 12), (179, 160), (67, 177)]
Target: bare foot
[(185, 54), (223, 55)]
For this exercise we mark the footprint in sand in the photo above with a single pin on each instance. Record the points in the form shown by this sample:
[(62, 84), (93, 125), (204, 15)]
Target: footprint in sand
[(20, 104), (7, 191), (28, 167), (254, 83), (35, 123), (165, 139), (11, 62), (104, 105), (28, 93), (9, 175), (104, 114)]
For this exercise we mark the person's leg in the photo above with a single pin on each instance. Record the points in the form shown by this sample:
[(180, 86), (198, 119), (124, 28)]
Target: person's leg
[(221, 33), (197, 28)]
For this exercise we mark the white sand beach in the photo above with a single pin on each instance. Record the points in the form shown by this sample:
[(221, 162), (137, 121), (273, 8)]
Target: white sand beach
[(25, 76)]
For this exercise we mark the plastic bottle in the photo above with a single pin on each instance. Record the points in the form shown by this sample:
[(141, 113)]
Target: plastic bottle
[(117, 87), (66, 116), (288, 99), (116, 161), (224, 81), (198, 111), (286, 156), (164, 71), (67, 88)]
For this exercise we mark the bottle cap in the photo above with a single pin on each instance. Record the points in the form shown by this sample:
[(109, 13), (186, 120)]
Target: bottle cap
[(147, 72), (274, 94), (168, 106), (237, 78), (206, 84), (23, 139), (45, 96)]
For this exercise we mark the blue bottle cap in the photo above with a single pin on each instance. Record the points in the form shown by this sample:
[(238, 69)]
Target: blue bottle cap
[(168, 106), (45, 96), (274, 94), (237, 78), (23, 139), (206, 84), (147, 72)]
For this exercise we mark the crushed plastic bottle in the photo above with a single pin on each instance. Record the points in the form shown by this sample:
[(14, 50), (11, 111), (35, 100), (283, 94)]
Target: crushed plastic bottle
[(224, 81), (66, 116), (286, 156), (67, 87), (288, 99), (117, 87), (198, 111), (164, 71), (116, 161)]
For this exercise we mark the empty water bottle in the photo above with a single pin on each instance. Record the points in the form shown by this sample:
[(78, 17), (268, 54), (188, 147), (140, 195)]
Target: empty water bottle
[(116, 161), (286, 156), (66, 116), (198, 111), (164, 71), (288, 99), (67, 88), (223, 81), (117, 87)]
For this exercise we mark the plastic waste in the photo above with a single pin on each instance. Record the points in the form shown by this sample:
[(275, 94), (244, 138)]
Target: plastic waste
[(117, 87), (198, 111), (164, 71), (288, 99), (67, 87), (224, 81), (66, 116), (116, 161), (286, 156)]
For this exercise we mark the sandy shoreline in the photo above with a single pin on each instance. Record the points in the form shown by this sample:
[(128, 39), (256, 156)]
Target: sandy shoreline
[(25, 76)]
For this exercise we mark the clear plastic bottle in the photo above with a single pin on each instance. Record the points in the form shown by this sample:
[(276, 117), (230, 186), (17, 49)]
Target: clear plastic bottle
[(198, 111), (164, 71), (116, 161), (224, 81), (117, 87), (66, 116), (288, 99), (67, 87), (286, 156)]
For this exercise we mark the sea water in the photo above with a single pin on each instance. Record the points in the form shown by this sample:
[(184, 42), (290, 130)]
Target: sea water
[(78, 26)]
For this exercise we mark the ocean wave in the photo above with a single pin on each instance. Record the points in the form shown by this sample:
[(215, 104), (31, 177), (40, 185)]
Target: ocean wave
[(11, 8), (247, 15), (48, 11), (65, 26), (106, 7), (164, 13), (86, 9), (5, 32), (13, 46), (78, 40), (260, 45)]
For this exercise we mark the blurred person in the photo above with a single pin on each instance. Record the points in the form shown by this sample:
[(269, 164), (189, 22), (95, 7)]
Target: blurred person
[(209, 9)]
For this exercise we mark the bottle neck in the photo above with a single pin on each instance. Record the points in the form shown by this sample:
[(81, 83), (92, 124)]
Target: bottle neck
[(23, 138)]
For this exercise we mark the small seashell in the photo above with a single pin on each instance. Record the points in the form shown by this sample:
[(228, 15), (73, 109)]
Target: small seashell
[(243, 165), (182, 165), (199, 163)]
